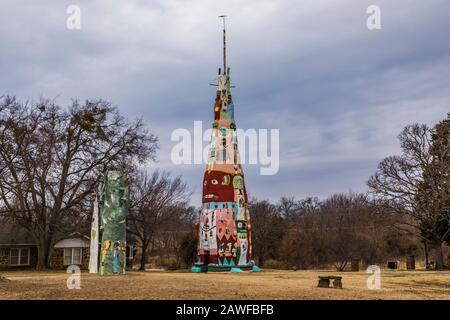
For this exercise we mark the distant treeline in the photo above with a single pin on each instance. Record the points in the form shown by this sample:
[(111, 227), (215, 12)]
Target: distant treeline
[(309, 233)]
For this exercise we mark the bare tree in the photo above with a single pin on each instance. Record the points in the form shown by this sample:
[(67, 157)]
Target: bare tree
[(404, 182), (177, 238), (397, 178), (293, 210), (433, 195), (156, 200), (288, 207), (51, 160), (268, 230), (345, 216), (343, 227)]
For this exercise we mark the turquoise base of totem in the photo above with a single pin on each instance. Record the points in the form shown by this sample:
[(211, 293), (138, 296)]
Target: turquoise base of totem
[(227, 268), (199, 269), (256, 269)]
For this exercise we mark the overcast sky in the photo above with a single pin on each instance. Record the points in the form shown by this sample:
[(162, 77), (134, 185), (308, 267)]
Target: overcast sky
[(338, 92)]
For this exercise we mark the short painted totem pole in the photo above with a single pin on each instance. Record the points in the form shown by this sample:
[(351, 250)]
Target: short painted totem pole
[(113, 208)]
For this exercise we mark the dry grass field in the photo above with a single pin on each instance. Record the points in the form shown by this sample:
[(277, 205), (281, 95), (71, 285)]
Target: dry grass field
[(268, 284)]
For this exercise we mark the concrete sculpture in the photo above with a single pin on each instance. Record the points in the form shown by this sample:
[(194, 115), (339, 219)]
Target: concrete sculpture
[(224, 228), (113, 208)]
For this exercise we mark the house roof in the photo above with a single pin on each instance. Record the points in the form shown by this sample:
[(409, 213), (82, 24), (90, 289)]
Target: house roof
[(74, 242), (78, 235), (14, 235)]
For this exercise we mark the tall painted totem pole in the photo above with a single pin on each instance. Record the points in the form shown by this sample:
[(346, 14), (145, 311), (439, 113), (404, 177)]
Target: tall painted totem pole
[(224, 228), (113, 209)]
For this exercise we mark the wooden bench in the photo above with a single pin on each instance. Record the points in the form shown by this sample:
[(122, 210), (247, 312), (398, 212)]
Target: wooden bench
[(324, 282)]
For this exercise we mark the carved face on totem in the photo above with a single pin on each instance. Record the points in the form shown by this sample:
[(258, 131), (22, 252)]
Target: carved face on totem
[(218, 187)]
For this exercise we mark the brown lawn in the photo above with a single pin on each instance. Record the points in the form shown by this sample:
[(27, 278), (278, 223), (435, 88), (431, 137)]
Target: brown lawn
[(269, 284)]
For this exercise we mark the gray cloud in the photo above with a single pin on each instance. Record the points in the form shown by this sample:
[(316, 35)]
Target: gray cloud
[(338, 92)]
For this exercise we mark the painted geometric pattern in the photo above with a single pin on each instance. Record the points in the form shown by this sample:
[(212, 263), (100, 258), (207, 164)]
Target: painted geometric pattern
[(224, 233)]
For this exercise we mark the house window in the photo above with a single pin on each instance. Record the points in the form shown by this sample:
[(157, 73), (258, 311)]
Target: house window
[(19, 257), (72, 256), (130, 252)]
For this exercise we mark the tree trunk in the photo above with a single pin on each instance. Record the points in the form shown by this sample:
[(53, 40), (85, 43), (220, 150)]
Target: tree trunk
[(143, 258), (44, 247), (439, 255), (340, 266), (48, 253), (41, 257), (425, 248), (261, 260), (143, 255)]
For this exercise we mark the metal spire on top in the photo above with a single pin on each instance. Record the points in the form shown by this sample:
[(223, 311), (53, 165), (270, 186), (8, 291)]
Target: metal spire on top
[(224, 46)]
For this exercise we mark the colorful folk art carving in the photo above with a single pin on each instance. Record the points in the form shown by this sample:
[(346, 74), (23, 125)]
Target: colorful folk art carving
[(224, 231), (217, 185), (113, 203)]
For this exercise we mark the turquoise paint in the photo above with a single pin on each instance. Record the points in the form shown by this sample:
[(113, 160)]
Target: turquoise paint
[(256, 269), (115, 263), (230, 108), (196, 269)]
